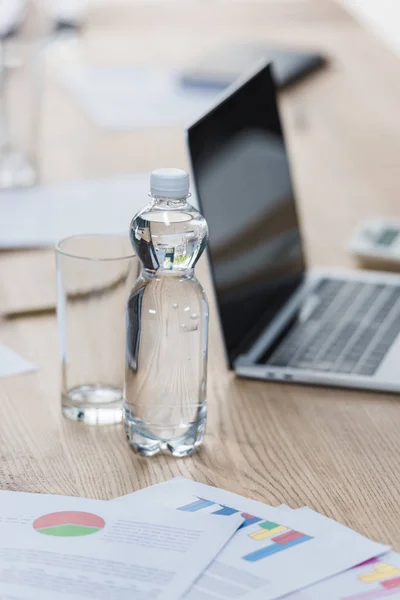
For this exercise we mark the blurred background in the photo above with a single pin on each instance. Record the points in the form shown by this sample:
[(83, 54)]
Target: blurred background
[(108, 100)]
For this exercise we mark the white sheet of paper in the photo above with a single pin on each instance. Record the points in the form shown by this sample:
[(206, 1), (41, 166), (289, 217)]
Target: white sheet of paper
[(375, 579), (285, 507), (58, 548), (43, 215), (121, 98), (274, 553), (12, 363)]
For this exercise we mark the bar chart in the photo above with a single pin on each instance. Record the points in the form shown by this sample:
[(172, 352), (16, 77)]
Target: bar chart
[(280, 538), (386, 578)]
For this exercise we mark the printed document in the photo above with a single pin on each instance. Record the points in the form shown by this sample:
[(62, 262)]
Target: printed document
[(58, 548), (374, 579), (274, 552)]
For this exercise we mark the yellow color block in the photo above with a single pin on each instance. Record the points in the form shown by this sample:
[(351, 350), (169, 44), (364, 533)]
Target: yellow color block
[(382, 571), (262, 534)]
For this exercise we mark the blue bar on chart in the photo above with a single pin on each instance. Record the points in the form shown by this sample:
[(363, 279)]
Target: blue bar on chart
[(226, 511), (197, 505), (274, 549)]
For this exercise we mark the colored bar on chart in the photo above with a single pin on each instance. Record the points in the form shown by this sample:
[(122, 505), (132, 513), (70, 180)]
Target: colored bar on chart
[(197, 505), (274, 549), (370, 561), (248, 516), (381, 571), (259, 535), (249, 520), (265, 534), (391, 584), (287, 537), (225, 510), (269, 525)]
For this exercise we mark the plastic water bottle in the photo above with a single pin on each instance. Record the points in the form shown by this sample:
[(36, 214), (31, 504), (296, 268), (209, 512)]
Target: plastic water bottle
[(167, 323)]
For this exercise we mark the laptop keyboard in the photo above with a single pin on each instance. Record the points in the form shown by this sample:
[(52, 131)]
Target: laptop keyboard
[(350, 330)]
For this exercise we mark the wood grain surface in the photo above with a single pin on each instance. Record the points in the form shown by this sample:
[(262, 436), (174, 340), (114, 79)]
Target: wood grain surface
[(334, 450)]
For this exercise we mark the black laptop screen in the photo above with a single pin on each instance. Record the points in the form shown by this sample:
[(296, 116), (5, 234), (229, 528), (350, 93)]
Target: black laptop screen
[(244, 189)]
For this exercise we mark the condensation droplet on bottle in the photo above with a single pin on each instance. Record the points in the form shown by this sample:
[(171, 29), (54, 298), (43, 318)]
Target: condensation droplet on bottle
[(175, 305), (194, 316), (183, 325)]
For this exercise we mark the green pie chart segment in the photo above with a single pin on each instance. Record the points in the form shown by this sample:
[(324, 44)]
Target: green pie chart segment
[(69, 524)]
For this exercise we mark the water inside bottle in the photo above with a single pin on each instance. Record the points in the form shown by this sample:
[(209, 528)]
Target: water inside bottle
[(167, 328)]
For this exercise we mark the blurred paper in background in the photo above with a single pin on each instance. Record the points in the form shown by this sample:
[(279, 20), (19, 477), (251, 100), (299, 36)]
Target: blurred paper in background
[(121, 98), (13, 364), (41, 216)]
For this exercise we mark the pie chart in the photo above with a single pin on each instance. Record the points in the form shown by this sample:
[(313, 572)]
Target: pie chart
[(69, 524)]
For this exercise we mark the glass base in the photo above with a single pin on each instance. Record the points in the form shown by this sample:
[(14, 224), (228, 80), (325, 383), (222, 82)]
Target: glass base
[(93, 404), (16, 171), (144, 440)]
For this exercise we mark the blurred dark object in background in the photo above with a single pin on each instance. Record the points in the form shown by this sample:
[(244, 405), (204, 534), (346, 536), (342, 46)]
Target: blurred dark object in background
[(222, 67)]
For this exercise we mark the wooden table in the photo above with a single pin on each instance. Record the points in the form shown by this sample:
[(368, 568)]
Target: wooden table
[(334, 450)]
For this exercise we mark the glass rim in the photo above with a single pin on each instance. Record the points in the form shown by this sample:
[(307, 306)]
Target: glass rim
[(81, 236)]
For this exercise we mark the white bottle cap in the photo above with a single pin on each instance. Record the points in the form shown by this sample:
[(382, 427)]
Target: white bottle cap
[(169, 183)]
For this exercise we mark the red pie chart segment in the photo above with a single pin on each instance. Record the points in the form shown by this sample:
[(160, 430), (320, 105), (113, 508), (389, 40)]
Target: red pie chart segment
[(69, 524)]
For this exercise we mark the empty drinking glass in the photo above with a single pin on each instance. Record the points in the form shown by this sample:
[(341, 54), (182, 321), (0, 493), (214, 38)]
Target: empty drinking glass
[(94, 276)]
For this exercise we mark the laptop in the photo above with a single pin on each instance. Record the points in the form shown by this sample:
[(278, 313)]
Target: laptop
[(280, 320)]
